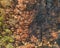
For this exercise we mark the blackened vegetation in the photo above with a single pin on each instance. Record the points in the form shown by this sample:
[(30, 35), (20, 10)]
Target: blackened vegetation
[(48, 21)]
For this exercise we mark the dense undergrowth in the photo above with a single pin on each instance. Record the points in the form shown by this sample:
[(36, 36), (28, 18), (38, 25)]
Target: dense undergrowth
[(29, 24)]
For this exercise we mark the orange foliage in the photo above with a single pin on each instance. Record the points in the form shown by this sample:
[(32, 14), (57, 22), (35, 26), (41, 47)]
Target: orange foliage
[(24, 18), (27, 46), (54, 35), (34, 39)]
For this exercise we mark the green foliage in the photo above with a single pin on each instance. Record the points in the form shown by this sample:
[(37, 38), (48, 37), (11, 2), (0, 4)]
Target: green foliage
[(0, 23), (0, 37), (9, 46), (5, 41), (6, 38), (8, 31), (1, 18)]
